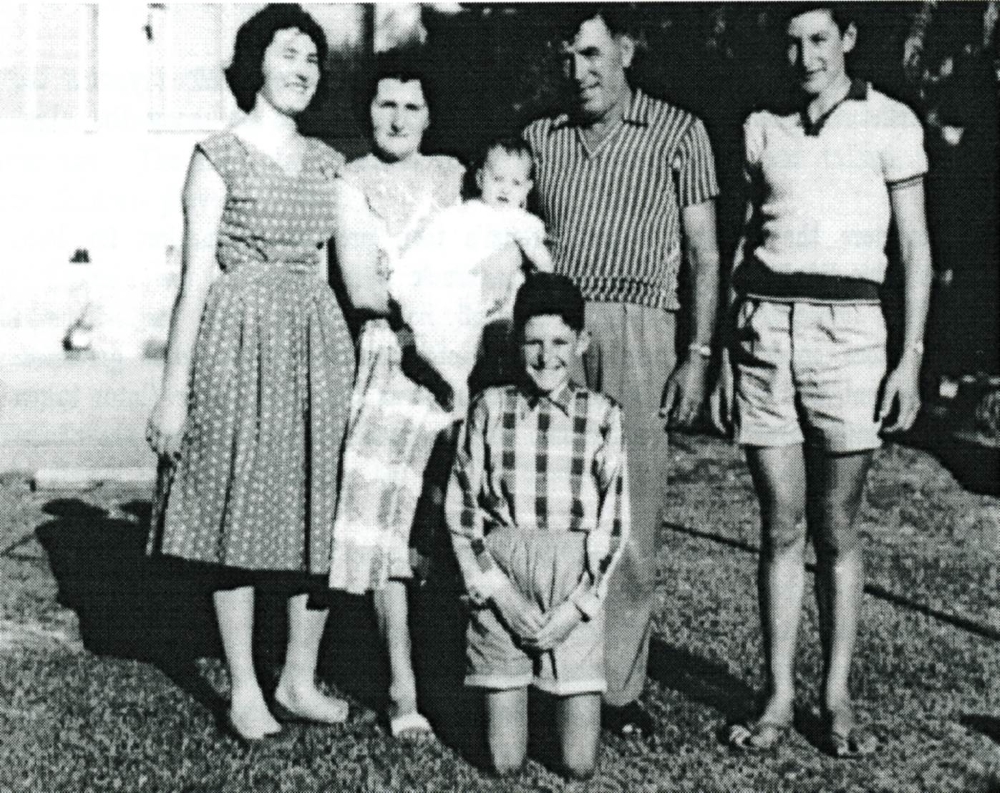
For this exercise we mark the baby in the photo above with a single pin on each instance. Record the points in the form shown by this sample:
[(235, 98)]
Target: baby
[(464, 269)]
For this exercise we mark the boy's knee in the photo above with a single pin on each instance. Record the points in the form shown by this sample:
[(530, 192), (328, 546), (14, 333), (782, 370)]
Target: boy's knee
[(507, 757), (579, 762), (507, 763), (579, 770)]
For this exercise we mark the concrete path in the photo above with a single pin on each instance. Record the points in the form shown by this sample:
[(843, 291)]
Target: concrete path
[(82, 414)]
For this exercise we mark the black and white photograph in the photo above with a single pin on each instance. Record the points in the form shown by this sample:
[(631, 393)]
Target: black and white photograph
[(526, 396)]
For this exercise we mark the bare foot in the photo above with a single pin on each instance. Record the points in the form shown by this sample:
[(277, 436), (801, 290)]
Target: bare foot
[(405, 721), (778, 710), (308, 703), (250, 719)]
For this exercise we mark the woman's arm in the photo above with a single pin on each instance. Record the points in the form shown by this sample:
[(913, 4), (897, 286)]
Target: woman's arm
[(203, 201), (358, 253)]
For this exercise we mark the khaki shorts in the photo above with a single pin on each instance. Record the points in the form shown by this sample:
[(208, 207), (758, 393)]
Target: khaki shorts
[(545, 567), (809, 372)]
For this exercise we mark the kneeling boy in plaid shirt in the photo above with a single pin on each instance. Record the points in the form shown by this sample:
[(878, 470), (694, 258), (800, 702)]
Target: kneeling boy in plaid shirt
[(538, 513)]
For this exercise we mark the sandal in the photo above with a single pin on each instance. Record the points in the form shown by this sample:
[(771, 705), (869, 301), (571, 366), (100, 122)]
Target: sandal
[(843, 739), (412, 726), (759, 736), (629, 721)]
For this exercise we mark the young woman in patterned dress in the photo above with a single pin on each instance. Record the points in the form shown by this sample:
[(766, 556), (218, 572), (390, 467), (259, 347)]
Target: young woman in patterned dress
[(260, 362)]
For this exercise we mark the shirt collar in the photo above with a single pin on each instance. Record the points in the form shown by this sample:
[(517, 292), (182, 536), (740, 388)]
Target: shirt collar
[(636, 113), (858, 91), (562, 399)]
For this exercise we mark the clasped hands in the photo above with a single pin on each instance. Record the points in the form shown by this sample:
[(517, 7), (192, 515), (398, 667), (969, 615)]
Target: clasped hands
[(536, 630)]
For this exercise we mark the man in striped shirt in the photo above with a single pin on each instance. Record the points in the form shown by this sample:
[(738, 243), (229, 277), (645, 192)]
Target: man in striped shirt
[(625, 183)]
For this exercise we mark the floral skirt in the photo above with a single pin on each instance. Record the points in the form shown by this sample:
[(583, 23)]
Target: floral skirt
[(393, 424)]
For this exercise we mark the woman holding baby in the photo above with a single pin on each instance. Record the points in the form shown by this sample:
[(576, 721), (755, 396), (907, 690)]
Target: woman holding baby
[(384, 201)]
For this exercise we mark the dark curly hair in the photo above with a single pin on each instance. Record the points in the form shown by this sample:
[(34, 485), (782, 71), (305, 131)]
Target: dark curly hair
[(244, 75)]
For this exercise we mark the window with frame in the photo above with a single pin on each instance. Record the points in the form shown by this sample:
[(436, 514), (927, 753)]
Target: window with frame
[(189, 46), (48, 62)]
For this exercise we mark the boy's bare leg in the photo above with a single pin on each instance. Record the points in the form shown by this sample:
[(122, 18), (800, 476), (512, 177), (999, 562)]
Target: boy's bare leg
[(297, 691), (778, 474), (248, 711), (578, 723), (392, 614), (507, 728), (836, 486)]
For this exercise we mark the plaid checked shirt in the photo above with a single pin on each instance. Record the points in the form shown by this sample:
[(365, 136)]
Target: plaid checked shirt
[(540, 464)]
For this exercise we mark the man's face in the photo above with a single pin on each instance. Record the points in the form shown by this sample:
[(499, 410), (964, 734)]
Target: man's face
[(548, 348), (815, 48), (594, 65)]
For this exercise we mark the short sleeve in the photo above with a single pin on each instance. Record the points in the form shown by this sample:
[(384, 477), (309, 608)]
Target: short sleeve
[(695, 167), (220, 150), (902, 153)]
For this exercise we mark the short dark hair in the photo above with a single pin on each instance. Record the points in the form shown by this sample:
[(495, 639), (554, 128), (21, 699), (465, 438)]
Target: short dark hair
[(842, 14), (548, 294), (406, 63), (514, 146), (244, 75), (569, 17)]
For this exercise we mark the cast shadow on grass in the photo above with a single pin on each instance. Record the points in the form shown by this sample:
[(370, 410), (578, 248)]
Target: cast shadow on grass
[(158, 610), (975, 467), (987, 725), (129, 605), (700, 680)]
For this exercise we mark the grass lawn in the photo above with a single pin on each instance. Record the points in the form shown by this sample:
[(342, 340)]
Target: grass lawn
[(110, 677)]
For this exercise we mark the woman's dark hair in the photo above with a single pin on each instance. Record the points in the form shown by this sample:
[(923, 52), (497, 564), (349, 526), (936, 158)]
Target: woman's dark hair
[(404, 64), (244, 75)]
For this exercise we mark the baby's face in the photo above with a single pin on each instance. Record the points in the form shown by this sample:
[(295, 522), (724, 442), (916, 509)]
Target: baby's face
[(505, 179)]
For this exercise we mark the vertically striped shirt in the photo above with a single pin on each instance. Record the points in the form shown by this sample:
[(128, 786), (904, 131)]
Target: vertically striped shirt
[(551, 464), (614, 211)]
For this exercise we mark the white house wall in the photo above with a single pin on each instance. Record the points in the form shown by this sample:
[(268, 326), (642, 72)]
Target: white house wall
[(111, 186)]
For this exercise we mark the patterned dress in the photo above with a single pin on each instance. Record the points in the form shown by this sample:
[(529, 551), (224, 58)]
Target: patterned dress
[(394, 419), (257, 481)]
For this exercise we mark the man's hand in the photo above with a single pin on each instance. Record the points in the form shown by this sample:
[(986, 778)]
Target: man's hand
[(723, 396), (519, 614), (559, 623), (684, 392), (901, 396)]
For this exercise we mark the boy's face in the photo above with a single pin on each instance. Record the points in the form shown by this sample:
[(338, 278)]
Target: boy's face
[(505, 179), (816, 50), (548, 349)]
